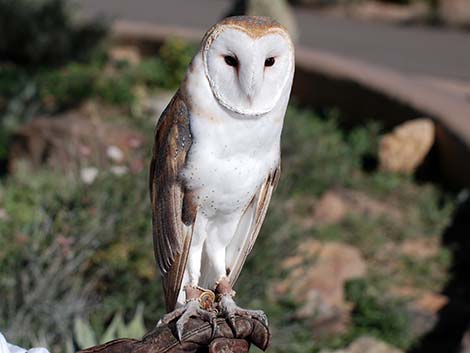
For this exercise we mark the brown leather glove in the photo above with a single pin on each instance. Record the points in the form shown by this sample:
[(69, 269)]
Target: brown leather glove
[(197, 338)]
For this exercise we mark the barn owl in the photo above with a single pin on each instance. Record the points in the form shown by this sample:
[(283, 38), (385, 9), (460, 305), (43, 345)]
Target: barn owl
[(216, 161)]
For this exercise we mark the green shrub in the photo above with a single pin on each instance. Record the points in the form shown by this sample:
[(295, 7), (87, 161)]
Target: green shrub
[(116, 90), (18, 104), (43, 33), (4, 141), (175, 56), (318, 155), (167, 70), (67, 87), (376, 315), (11, 80), (61, 237), (150, 72)]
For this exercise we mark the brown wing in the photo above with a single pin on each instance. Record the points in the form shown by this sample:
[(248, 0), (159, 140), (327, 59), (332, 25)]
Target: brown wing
[(173, 209), (250, 225)]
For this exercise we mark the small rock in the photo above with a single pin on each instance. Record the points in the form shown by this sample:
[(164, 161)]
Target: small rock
[(406, 147), (331, 209), (88, 175), (316, 282), (114, 153)]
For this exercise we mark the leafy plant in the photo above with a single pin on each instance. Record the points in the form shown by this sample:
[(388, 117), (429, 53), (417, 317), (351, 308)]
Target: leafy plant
[(376, 315), (166, 70), (116, 90), (54, 239), (68, 86), (85, 336), (317, 154), (175, 55), (150, 72), (44, 33)]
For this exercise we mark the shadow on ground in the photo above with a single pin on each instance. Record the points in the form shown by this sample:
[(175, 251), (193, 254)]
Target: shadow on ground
[(454, 318)]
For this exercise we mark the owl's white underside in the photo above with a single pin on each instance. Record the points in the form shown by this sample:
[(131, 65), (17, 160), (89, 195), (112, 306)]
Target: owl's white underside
[(230, 158)]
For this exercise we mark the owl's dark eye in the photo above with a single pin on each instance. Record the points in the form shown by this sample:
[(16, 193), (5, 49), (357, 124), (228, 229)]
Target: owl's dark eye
[(231, 60), (269, 61)]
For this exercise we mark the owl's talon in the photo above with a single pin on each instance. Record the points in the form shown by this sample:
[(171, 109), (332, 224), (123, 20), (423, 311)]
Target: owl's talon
[(229, 309), (231, 322), (191, 309), (261, 317), (215, 329)]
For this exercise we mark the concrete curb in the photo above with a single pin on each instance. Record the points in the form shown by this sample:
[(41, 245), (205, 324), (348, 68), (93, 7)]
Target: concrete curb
[(359, 89)]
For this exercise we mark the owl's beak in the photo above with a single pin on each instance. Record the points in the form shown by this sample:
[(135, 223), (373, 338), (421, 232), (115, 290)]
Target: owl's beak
[(250, 82)]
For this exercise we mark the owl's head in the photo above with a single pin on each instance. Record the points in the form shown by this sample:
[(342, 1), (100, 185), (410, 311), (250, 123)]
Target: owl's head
[(249, 63)]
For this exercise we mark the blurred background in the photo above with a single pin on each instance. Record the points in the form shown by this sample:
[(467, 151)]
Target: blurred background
[(365, 245)]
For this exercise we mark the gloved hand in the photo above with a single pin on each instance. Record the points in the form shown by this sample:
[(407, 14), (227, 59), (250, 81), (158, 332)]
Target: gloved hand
[(197, 338)]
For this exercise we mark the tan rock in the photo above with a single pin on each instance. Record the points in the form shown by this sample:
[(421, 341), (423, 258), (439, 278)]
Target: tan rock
[(366, 344), (405, 291), (406, 147), (336, 204), (455, 12), (331, 209), (432, 302), (420, 248), (317, 282)]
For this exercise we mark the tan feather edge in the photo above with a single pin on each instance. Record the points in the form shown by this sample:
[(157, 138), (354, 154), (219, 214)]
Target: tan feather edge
[(263, 200)]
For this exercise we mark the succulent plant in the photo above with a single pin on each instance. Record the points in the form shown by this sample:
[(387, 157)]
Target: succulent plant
[(85, 336)]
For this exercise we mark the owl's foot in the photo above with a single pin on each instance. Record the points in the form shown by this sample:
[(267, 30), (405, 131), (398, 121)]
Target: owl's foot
[(200, 307), (229, 309), (193, 309)]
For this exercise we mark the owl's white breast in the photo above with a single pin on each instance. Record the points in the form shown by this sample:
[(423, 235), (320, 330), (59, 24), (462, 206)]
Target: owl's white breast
[(231, 155)]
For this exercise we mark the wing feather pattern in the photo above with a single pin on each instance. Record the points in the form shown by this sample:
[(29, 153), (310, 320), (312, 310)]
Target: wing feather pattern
[(250, 225), (173, 209)]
